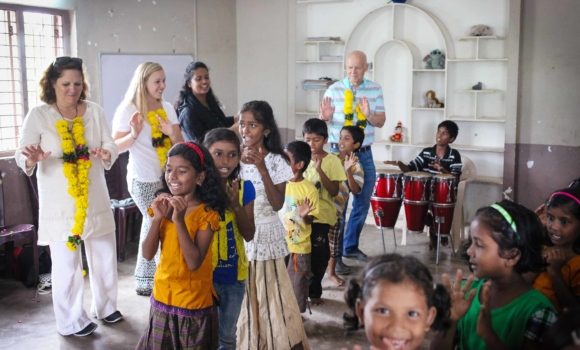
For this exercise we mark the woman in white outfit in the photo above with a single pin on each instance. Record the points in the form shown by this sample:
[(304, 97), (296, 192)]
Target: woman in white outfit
[(67, 126), (142, 114)]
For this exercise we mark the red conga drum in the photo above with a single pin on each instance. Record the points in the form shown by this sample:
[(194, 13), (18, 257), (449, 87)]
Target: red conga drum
[(386, 197), (443, 197), (417, 192)]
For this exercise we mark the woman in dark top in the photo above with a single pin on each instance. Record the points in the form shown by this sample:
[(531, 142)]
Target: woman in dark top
[(197, 107)]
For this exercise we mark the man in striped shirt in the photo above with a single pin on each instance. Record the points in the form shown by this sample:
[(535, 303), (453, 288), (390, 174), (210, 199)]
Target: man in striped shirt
[(369, 97)]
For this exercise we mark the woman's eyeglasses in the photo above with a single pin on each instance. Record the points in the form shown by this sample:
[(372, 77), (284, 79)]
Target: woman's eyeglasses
[(64, 60)]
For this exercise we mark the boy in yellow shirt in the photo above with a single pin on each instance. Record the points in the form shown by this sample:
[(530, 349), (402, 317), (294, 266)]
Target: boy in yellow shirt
[(326, 173), (297, 214)]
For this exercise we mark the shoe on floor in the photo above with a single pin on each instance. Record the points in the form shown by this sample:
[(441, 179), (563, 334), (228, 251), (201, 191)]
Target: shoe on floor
[(341, 268), (144, 292), (358, 255), (88, 330), (114, 317)]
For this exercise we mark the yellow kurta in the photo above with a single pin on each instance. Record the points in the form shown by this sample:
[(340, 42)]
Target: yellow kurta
[(174, 284)]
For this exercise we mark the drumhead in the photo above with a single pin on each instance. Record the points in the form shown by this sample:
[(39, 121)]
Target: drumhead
[(416, 174), (443, 177), (389, 172)]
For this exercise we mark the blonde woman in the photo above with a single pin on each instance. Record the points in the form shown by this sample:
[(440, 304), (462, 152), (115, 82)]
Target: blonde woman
[(147, 126)]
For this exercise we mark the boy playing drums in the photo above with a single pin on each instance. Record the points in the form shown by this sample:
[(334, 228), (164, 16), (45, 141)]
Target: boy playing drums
[(439, 159)]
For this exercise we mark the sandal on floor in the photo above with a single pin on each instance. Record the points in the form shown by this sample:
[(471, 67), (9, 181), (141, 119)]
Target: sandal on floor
[(143, 292)]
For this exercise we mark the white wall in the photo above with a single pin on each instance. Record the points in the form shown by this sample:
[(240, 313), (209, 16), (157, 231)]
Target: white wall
[(263, 38), (132, 27), (155, 27), (217, 47), (56, 4), (549, 108)]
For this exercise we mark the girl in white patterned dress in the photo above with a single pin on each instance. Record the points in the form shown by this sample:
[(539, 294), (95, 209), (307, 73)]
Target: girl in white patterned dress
[(270, 318)]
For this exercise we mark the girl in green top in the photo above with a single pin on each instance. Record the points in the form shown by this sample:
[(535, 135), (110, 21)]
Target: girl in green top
[(500, 310)]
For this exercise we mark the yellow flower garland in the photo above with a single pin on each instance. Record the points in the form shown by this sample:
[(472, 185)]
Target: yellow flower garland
[(220, 241), (76, 165), (160, 141), (361, 121)]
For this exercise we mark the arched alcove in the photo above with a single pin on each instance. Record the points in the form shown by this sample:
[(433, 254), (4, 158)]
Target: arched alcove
[(393, 70)]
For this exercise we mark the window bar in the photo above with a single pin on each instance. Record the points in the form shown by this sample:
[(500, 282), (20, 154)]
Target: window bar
[(55, 34), (13, 76), (22, 56)]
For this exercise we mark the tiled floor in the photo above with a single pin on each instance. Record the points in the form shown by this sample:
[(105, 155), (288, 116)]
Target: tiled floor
[(29, 324)]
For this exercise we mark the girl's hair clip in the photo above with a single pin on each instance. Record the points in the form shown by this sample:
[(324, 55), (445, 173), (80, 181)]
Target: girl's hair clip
[(506, 216)]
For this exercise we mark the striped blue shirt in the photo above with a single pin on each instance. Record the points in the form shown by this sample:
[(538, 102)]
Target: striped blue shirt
[(372, 91)]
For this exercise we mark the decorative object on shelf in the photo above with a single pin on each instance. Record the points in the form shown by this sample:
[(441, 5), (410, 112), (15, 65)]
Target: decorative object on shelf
[(398, 135), (349, 101), (435, 60), (477, 86), (432, 101), (480, 30), (317, 84)]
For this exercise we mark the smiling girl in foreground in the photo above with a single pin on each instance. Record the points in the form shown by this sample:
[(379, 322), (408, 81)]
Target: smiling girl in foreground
[(182, 308), (561, 280), (270, 318), (396, 302), (236, 226), (500, 310)]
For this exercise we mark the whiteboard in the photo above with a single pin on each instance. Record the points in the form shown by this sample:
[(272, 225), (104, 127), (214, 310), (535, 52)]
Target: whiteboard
[(118, 69)]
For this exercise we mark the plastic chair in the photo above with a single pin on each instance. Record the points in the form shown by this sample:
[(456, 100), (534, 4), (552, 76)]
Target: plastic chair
[(468, 174), (11, 233)]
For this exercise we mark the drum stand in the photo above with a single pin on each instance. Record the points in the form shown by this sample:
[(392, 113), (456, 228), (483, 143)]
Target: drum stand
[(441, 220), (380, 214)]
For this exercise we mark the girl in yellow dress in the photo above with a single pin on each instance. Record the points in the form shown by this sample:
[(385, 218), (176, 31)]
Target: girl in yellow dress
[(185, 216)]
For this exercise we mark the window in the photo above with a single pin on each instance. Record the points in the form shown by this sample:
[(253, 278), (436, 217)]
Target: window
[(30, 38)]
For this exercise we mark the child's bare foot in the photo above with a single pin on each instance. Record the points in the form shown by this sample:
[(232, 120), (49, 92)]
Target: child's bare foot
[(336, 280), (316, 301)]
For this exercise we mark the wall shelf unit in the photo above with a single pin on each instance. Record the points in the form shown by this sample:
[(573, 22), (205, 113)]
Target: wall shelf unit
[(395, 38), (321, 48), (477, 38), (302, 62), (318, 42), (480, 119), (316, 1), (429, 70), (307, 112), (479, 91), (477, 59)]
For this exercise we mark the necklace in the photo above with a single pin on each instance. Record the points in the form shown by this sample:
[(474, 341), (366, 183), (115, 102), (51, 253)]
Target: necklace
[(62, 116)]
